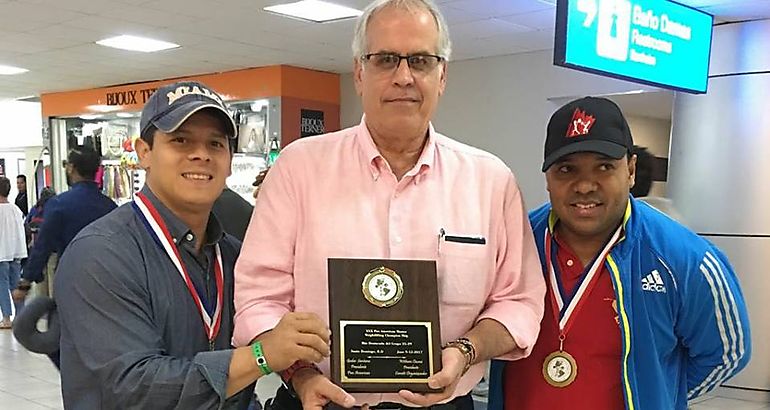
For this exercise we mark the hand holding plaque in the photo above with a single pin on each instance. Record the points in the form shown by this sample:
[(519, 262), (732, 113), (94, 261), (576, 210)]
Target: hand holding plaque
[(385, 324)]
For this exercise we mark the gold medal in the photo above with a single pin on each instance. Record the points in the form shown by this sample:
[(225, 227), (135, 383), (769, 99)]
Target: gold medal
[(560, 369), (382, 287)]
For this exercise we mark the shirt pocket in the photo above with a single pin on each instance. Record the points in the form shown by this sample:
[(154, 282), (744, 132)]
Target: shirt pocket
[(463, 270)]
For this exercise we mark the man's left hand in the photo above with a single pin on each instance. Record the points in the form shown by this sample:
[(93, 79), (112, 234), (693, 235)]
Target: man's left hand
[(452, 366), (19, 295)]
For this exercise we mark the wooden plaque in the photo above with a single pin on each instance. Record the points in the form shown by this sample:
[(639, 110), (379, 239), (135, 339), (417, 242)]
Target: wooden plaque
[(385, 324)]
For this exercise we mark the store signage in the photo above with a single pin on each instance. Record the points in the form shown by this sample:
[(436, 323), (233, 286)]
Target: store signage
[(656, 42), (129, 97), (312, 123)]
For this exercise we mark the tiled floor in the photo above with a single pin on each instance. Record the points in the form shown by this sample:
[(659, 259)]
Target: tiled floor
[(27, 381), (30, 382)]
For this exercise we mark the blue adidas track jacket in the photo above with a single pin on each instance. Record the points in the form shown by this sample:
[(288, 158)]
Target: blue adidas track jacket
[(683, 321)]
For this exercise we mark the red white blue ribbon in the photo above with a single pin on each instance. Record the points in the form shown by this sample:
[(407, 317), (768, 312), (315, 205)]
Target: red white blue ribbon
[(564, 316), (159, 230)]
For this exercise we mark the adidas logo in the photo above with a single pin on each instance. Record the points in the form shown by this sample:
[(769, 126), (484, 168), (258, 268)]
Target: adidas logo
[(653, 282)]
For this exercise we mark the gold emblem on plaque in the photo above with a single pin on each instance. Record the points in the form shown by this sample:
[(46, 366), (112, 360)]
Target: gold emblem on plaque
[(382, 287), (560, 369)]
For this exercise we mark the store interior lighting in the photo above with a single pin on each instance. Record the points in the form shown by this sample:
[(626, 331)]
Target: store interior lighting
[(11, 70), (314, 10), (134, 43), (257, 105), (103, 108), (89, 117)]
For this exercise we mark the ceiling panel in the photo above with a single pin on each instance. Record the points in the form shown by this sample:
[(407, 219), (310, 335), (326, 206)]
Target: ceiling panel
[(499, 7), (55, 38), (538, 20)]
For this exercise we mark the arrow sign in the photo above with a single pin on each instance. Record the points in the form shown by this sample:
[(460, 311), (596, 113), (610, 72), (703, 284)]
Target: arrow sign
[(589, 8)]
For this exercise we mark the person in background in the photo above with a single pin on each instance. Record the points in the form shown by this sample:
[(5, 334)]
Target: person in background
[(641, 313), (12, 249), (21, 197), (388, 188), (233, 212), (66, 214), (645, 170), (35, 217)]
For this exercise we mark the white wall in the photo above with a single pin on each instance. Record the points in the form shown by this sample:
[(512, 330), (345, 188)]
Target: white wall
[(501, 104), (652, 133), (21, 125)]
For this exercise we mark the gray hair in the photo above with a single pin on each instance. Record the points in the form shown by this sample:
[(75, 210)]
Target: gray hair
[(359, 39)]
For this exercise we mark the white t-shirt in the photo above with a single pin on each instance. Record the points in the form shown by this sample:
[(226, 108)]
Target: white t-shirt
[(13, 243)]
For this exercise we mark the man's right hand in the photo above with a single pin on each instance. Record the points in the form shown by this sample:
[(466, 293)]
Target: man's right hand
[(298, 336), (316, 391)]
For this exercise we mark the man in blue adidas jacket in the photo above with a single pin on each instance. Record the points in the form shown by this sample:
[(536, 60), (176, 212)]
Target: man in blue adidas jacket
[(641, 313)]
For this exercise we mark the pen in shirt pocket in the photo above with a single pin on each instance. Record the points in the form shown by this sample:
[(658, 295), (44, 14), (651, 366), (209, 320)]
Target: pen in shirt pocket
[(472, 240)]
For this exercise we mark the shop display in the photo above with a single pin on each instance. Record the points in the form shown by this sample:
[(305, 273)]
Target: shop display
[(244, 169)]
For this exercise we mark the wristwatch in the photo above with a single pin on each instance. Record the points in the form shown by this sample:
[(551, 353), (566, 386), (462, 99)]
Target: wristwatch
[(465, 346)]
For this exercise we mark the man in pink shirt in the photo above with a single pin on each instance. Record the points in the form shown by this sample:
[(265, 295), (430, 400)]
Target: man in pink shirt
[(394, 188)]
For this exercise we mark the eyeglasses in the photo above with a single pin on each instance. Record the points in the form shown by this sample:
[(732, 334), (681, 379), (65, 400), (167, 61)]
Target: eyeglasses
[(418, 63)]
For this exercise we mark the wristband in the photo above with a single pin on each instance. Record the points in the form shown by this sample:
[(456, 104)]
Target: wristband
[(256, 349)]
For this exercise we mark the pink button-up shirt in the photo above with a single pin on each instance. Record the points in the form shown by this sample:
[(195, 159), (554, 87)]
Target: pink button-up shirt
[(334, 196)]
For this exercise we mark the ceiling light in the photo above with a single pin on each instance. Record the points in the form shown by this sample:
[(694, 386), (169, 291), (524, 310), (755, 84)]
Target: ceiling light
[(89, 117), (133, 43), (125, 115), (10, 70), (314, 10)]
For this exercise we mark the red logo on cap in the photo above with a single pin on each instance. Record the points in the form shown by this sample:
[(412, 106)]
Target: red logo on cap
[(581, 124)]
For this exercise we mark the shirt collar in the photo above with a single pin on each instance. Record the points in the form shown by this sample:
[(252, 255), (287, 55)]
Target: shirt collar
[(553, 219), (179, 231), (376, 161)]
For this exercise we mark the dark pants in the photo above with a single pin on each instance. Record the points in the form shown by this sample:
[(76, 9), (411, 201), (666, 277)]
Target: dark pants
[(458, 403)]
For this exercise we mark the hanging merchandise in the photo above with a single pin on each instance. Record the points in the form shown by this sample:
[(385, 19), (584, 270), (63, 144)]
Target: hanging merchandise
[(129, 158), (117, 182)]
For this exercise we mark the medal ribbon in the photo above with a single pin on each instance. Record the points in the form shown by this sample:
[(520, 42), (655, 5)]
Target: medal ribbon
[(159, 231), (564, 315)]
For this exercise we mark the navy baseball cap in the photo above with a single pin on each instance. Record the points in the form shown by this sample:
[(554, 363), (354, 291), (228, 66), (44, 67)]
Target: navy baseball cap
[(590, 124), (171, 105)]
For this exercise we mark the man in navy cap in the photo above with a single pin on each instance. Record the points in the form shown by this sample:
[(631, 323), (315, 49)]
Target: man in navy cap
[(145, 294), (640, 312)]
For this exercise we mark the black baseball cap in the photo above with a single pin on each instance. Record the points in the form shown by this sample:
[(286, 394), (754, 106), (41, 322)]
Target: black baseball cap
[(590, 124), (171, 105)]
